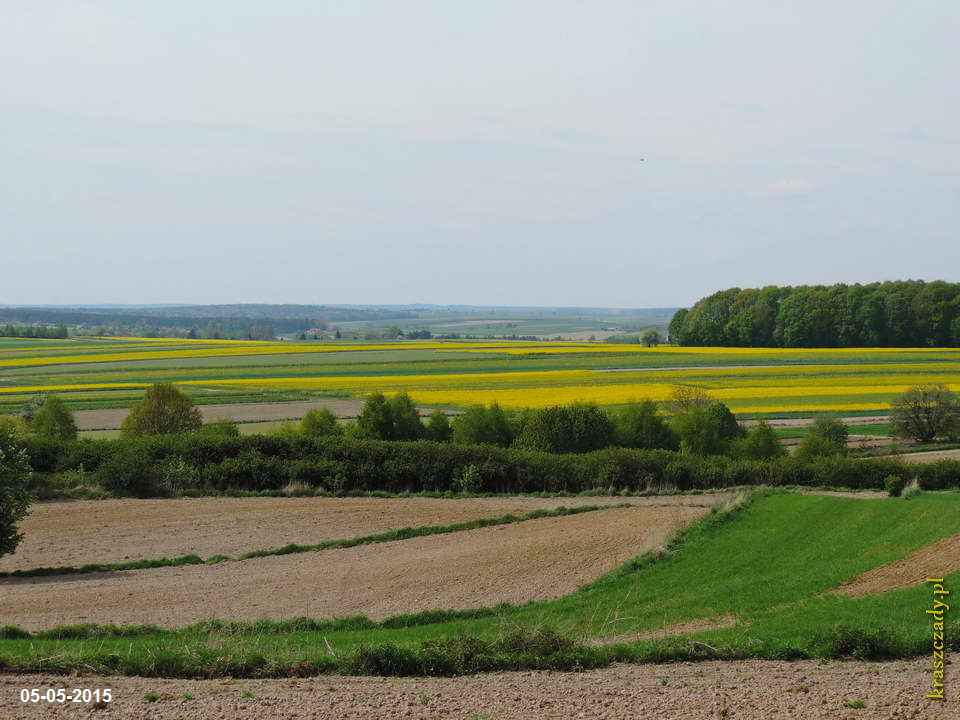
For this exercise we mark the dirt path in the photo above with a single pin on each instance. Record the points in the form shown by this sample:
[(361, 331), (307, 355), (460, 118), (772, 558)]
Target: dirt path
[(933, 561), (804, 422), (509, 563), (75, 533), (110, 419), (751, 690), (675, 630)]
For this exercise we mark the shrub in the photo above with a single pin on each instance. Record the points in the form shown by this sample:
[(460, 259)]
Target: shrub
[(344, 465), (53, 420), (222, 428), (576, 428), (912, 490), (759, 443), (470, 480), (827, 437), (320, 423), (894, 485), (164, 409), (130, 472), (14, 490), (14, 427), (406, 420), (479, 425), (438, 427), (640, 425), (706, 429), (925, 413)]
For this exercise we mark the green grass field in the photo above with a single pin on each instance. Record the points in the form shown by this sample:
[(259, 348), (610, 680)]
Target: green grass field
[(769, 563)]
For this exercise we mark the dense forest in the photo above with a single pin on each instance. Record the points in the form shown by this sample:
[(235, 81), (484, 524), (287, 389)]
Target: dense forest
[(890, 314)]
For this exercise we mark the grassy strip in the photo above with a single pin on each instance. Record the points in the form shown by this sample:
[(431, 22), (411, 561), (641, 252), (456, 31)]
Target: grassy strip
[(293, 548)]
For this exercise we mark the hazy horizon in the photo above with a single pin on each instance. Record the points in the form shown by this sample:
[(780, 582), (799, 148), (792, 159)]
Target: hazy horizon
[(547, 154)]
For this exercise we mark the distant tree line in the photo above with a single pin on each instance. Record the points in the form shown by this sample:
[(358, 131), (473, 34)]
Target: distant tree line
[(34, 331), (889, 314)]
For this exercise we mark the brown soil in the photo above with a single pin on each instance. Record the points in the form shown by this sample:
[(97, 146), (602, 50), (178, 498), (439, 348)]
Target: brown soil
[(932, 561), (111, 419), (855, 494), (930, 457), (75, 533), (509, 563), (804, 422), (751, 690)]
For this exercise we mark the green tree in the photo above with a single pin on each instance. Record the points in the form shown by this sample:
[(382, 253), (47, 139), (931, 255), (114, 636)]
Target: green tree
[(827, 437), (479, 425), (376, 418), (707, 429), (575, 428), (651, 338), (640, 425), (676, 331), (438, 427), (164, 409), (14, 490), (925, 413), (759, 443), (54, 420), (320, 423), (406, 420)]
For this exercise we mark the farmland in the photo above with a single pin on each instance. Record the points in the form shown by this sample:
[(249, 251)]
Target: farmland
[(707, 598), (111, 373), (381, 560)]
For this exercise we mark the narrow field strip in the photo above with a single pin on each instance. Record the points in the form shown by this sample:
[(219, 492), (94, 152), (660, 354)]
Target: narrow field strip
[(513, 563), (123, 530), (404, 533), (936, 560), (668, 631)]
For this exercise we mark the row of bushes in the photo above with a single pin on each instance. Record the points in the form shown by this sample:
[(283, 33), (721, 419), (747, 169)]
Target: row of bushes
[(170, 464)]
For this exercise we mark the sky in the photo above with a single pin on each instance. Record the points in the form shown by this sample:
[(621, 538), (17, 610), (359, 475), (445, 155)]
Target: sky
[(623, 153)]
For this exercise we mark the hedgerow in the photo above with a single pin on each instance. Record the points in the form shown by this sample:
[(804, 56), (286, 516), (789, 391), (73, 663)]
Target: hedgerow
[(191, 463)]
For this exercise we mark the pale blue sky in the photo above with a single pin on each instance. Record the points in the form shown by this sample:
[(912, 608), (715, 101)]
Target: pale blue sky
[(536, 152)]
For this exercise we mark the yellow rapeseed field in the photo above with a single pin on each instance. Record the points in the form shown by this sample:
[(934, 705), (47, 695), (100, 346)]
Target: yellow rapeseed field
[(759, 380)]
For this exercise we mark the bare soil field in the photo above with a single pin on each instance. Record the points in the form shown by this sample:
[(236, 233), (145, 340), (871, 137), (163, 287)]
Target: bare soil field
[(750, 690), (509, 563), (111, 418), (935, 560), (930, 457), (103, 531)]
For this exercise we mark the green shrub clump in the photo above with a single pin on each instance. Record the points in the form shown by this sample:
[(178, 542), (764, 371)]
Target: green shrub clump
[(320, 423), (894, 485), (479, 425)]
